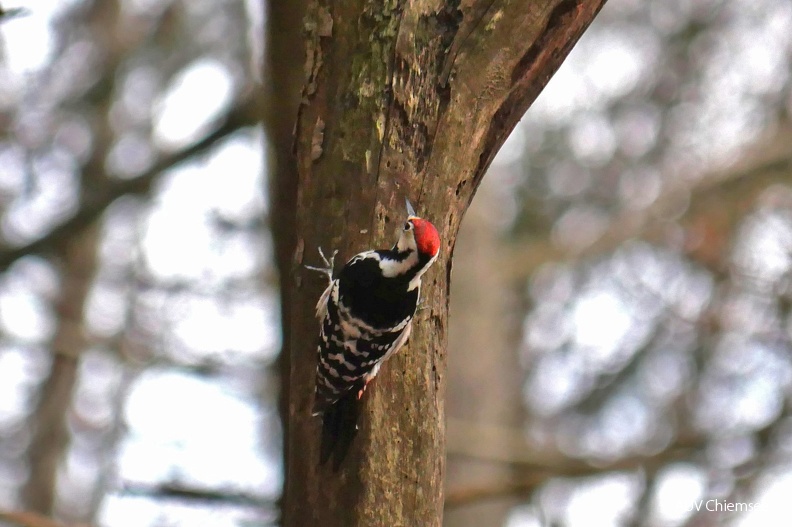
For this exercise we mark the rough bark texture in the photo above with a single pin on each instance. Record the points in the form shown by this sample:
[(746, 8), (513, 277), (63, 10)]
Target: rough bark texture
[(402, 99)]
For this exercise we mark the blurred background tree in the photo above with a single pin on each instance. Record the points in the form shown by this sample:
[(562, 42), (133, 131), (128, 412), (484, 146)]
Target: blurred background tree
[(620, 322)]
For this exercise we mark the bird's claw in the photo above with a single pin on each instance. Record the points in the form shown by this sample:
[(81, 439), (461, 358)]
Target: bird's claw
[(329, 264)]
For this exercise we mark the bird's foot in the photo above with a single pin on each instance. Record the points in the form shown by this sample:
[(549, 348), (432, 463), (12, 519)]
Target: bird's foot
[(328, 268)]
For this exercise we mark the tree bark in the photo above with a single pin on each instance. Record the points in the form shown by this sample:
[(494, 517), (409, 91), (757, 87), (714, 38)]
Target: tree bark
[(402, 99)]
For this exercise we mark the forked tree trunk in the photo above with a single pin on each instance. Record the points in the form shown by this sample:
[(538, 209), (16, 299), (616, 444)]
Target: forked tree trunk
[(402, 99)]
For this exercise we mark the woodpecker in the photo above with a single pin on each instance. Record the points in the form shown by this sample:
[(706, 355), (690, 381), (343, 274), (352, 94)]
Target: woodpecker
[(366, 316)]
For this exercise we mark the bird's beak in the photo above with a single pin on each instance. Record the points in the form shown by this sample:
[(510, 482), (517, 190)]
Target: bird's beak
[(410, 209)]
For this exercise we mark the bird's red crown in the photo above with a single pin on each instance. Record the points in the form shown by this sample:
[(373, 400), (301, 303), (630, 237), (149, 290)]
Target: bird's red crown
[(426, 237)]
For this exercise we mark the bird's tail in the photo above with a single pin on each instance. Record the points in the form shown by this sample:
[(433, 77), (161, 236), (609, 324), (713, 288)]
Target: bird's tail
[(339, 428)]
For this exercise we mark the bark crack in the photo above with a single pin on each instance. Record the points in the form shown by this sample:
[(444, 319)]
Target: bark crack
[(458, 44), (389, 107)]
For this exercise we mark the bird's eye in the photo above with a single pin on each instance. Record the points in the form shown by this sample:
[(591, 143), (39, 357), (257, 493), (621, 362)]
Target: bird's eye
[(407, 226)]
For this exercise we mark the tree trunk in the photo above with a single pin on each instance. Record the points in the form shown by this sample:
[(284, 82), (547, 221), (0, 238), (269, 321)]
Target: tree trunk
[(50, 434), (283, 74), (485, 381), (402, 99), (77, 255)]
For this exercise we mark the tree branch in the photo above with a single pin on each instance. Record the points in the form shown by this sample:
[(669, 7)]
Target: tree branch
[(499, 444), (704, 206), (28, 519), (681, 450), (244, 113), (177, 491)]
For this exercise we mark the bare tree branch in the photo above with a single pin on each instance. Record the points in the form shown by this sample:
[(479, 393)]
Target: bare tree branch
[(177, 491), (14, 12), (244, 113), (29, 519), (715, 199), (568, 468), (499, 444)]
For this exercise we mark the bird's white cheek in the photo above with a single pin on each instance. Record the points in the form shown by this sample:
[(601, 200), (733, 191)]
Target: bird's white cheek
[(406, 241)]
